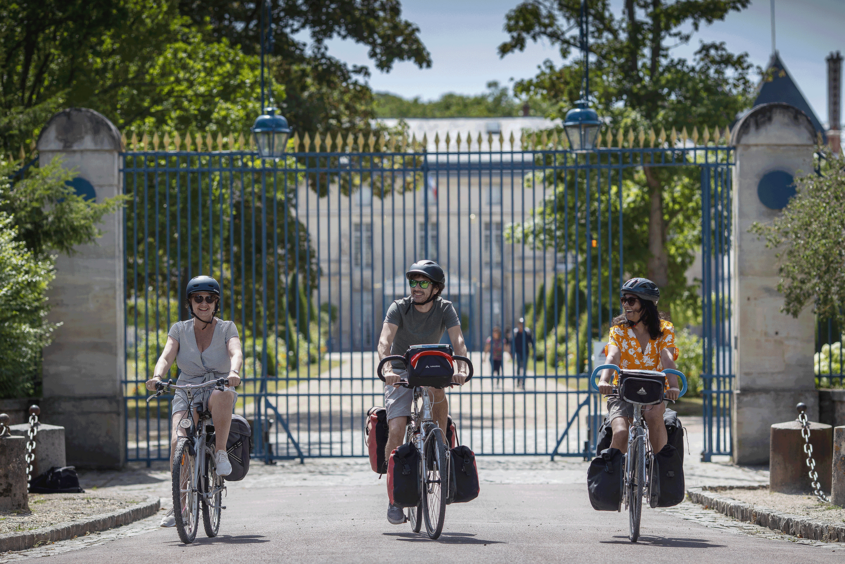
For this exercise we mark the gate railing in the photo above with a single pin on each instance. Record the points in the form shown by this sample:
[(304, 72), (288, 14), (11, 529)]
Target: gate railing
[(310, 252)]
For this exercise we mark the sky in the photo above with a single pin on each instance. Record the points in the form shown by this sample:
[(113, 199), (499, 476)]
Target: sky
[(463, 35)]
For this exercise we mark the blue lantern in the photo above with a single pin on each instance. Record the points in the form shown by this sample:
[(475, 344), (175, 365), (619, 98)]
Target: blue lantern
[(582, 127), (271, 134)]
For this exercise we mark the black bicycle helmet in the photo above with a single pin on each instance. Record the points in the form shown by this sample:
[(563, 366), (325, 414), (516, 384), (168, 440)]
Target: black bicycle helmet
[(643, 288), (202, 284), (429, 269)]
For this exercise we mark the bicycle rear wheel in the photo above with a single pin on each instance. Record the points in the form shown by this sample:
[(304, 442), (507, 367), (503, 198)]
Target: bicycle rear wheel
[(434, 495), (635, 476), (212, 506), (184, 488)]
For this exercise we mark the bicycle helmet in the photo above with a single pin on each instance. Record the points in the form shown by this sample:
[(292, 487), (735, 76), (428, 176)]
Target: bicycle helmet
[(202, 284), (429, 269), (643, 288)]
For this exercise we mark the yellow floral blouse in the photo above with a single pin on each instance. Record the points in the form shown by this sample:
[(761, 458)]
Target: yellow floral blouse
[(632, 356)]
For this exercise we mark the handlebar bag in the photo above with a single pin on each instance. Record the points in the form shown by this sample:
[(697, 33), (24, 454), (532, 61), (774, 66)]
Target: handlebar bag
[(376, 431), (238, 447), (641, 388), (429, 365), (667, 478), (605, 480), (403, 476), (463, 476)]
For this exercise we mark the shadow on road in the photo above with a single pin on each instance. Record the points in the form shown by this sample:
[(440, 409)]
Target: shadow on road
[(445, 538), (224, 539), (667, 542)]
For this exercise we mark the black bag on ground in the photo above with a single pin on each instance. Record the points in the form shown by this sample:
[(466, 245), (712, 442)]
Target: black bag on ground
[(605, 479), (376, 431), (238, 447), (58, 479), (463, 476), (667, 478), (403, 476)]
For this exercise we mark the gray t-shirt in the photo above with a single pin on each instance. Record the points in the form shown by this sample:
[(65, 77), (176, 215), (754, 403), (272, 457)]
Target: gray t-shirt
[(417, 328), (214, 359)]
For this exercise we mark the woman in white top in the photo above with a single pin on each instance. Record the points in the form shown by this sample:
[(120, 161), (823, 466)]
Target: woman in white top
[(204, 348)]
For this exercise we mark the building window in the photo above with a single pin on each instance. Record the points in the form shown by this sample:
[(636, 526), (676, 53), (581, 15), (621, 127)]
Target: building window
[(493, 243), (362, 244), (494, 195), (364, 196), (432, 241)]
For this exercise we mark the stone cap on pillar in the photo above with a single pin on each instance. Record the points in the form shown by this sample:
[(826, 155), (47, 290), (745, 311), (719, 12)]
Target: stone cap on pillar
[(79, 129), (793, 126)]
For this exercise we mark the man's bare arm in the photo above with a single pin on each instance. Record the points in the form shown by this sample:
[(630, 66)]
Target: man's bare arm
[(385, 343), (460, 348)]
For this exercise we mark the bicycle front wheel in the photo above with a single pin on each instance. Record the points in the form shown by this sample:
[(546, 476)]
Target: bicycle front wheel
[(213, 496), (435, 478), (636, 479), (184, 487)]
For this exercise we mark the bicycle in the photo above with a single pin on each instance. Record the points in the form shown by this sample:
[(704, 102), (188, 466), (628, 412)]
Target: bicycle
[(195, 483), (425, 433), (639, 460)]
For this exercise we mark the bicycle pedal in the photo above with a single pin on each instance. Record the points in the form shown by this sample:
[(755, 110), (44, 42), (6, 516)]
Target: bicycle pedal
[(222, 507)]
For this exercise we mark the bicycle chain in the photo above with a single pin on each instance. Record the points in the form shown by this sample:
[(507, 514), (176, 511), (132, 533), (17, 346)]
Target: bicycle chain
[(811, 463), (30, 443)]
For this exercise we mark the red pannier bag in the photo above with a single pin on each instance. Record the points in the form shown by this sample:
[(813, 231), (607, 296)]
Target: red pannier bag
[(376, 431)]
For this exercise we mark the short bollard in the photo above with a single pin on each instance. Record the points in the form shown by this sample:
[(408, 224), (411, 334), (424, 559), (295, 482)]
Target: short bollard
[(837, 496), (788, 472), (13, 487)]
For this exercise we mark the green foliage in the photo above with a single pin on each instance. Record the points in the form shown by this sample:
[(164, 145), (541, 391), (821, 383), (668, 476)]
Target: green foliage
[(47, 213), (811, 243), (174, 65), (690, 360), (496, 102), (24, 329)]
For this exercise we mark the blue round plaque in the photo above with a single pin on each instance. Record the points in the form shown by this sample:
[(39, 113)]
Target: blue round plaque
[(775, 189)]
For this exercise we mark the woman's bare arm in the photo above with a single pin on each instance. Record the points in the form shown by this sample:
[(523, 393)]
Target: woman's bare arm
[(165, 361)]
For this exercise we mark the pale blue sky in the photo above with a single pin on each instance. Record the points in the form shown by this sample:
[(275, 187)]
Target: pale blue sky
[(462, 37)]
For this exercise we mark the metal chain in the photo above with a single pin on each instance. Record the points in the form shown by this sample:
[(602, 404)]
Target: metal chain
[(811, 463), (30, 445), (4, 427)]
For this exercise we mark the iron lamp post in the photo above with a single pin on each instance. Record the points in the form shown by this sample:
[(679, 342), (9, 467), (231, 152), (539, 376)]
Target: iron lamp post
[(582, 124), (271, 131)]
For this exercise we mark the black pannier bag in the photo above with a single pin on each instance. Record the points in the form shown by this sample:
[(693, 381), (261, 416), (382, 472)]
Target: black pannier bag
[(376, 431), (403, 476), (605, 480), (238, 447), (58, 479), (667, 482), (451, 433), (463, 476), (674, 430), (429, 365), (642, 387)]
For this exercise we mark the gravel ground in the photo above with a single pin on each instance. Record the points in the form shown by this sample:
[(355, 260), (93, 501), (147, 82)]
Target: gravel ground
[(803, 505), (48, 510)]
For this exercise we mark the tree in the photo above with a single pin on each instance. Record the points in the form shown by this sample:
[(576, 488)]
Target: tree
[(637, 82), (810, 240)]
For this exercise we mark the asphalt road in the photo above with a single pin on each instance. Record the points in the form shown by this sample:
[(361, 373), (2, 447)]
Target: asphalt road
[(507, 523)]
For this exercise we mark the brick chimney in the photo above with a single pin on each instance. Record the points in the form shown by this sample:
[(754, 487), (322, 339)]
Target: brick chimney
[(834, 100)]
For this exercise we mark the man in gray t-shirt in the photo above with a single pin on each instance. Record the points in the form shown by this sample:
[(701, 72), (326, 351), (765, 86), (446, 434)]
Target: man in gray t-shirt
[(420, 319)]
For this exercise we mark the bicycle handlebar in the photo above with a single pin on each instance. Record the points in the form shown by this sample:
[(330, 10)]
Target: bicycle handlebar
[(162, 387), (594, 387), (380, 369)]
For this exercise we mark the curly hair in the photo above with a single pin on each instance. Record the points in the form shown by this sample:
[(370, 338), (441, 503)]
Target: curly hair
[(650, 318)]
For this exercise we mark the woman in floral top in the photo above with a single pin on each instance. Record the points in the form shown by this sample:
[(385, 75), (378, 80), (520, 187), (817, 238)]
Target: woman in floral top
[(639, 340)]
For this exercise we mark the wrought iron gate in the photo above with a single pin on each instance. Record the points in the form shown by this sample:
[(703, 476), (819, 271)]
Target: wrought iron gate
[(310, 251)]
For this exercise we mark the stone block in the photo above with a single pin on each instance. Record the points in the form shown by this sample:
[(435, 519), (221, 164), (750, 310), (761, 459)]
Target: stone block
[(754, 412), (49, 446), (13, 488), (94, 429), (788, 471), (837, 496)]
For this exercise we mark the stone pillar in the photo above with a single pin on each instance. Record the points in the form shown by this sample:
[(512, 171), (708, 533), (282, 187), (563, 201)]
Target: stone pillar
[(13, 494), (774, 351), (83, 367), (837, 495)]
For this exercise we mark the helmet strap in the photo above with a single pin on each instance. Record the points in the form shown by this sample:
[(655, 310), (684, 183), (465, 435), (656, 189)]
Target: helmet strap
[(432, 297), (207, 323)]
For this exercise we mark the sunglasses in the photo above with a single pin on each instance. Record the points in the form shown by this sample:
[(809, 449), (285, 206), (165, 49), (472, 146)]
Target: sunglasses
[(421, 283), (631, 301), (206, 299)]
